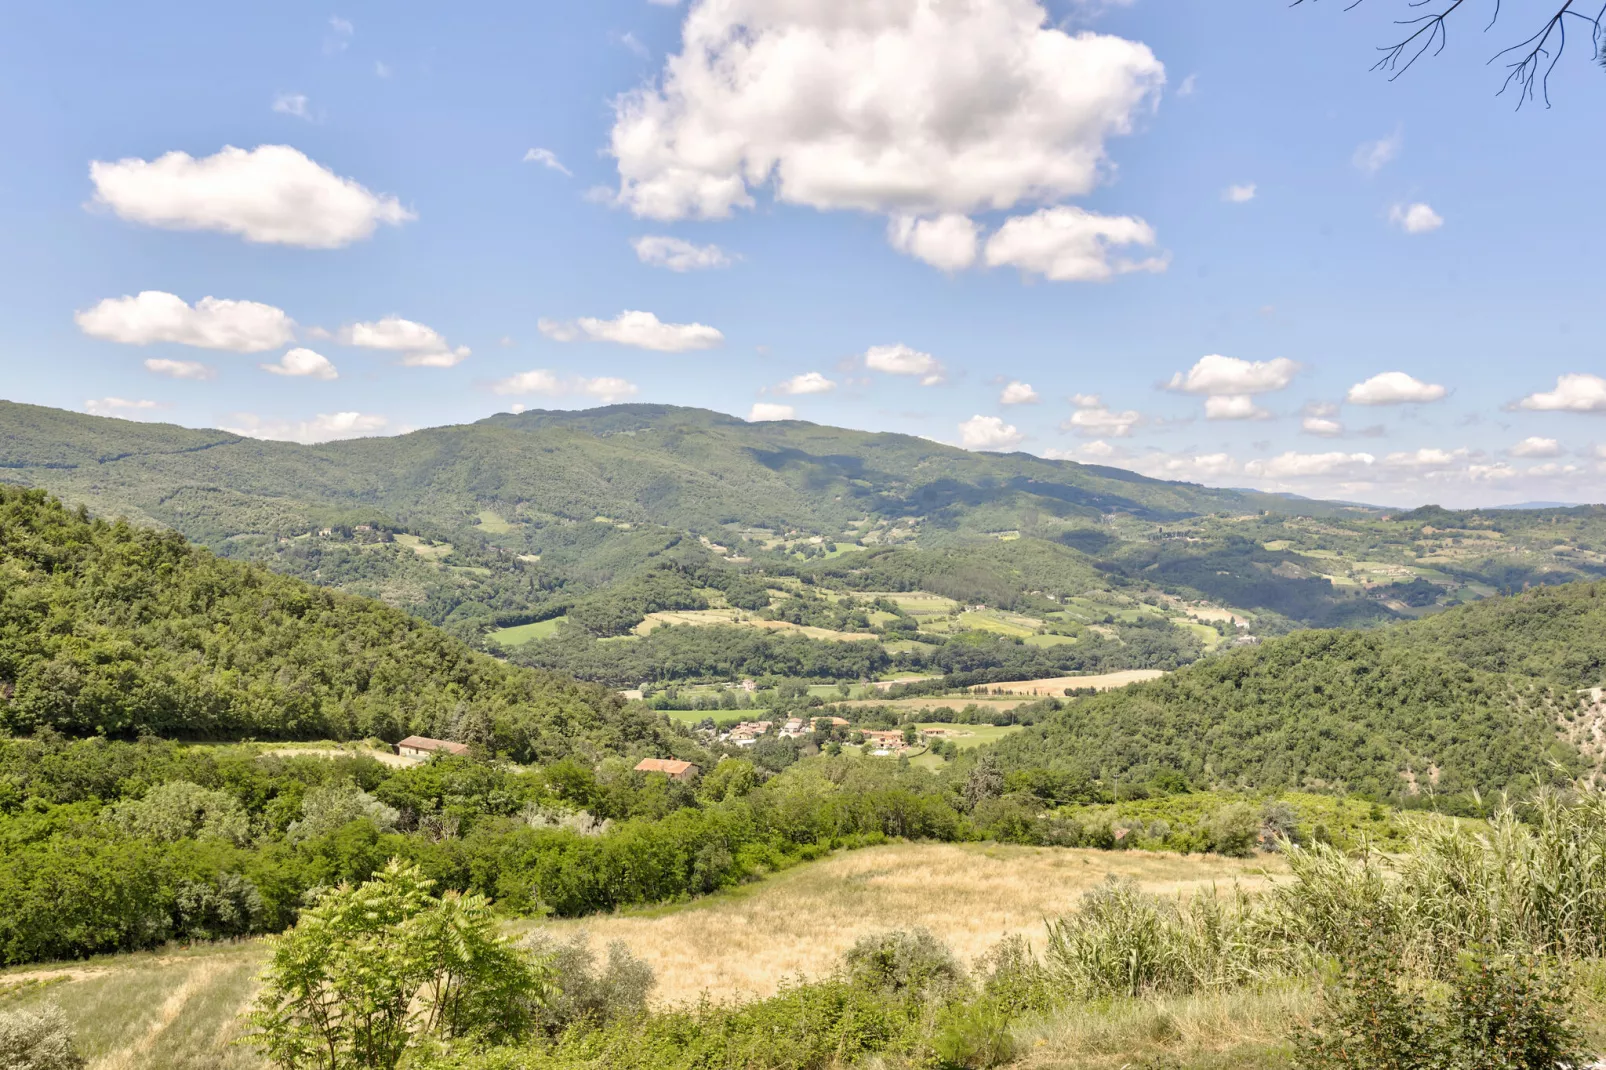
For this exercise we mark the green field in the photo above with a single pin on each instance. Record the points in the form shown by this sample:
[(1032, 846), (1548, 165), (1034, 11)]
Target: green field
[(974, 735), (523, 633)]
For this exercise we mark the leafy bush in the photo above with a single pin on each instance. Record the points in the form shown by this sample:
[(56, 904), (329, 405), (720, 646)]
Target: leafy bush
[(371, 969), (973, 1036), (1499, 1014), (915, 961), (331, 806), (178, 810), (1234, 830), (37, 1040), (582, 994)]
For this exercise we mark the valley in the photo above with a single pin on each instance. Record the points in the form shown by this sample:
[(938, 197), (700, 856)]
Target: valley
[(735, 753)]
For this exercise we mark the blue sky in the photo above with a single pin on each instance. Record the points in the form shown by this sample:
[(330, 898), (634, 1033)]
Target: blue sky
[(1212, 243)]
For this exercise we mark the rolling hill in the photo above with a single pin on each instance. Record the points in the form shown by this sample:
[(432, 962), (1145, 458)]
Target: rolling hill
[(116, 630), (486, 527), (1497, 695)]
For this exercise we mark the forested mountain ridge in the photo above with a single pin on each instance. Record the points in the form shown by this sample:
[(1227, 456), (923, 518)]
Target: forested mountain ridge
[(1484, 697), (520, 518), (119, 630), (687, 469)]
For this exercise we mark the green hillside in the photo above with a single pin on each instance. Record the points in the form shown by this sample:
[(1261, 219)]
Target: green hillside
[(112, 629), (607, 516), (1484, 698)]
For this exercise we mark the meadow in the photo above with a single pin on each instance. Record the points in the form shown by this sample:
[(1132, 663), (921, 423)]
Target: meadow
[(177, 1009)]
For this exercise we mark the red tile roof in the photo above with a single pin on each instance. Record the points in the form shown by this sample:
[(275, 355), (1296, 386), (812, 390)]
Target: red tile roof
[(663, 765), (425, 743)]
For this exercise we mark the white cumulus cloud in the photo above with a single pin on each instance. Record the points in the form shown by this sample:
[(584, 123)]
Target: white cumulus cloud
[(807, 383), (988, 433), (1233, 407), (419, 345), (324, 427), (212, 323), (179, 369), (913, 106), (764, 411), (303, 363), (1295, 465), (1216, 374), (1093, 418), (677, 254), (1394, 388), (1535, 446), (947, 242), (1070, 244), (1239, 194), (1018, 393), (900, 359), (606, 389), (1425, 458), (125, 407), (1186, 466), (272, 194), (1321, 418), (640, 329), (1415, 218), (1575, 392)]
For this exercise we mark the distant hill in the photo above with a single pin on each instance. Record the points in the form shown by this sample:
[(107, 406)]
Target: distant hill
[(681, 468), (517, 508), (518, 518), (116, 630), (1481, 698)]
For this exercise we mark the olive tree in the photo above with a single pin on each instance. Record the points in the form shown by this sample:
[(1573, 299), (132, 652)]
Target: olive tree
[(372, 970)]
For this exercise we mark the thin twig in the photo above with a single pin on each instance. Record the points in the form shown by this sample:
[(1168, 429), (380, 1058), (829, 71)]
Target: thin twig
[(1538, 54)]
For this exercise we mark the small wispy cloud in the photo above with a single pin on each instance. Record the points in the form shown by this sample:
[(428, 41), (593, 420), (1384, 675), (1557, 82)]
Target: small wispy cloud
[(1239, 194), (548, 159), (1370, 157), (292, 104)]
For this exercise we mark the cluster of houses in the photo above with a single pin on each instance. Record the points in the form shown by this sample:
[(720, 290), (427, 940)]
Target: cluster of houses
[(748, 733)]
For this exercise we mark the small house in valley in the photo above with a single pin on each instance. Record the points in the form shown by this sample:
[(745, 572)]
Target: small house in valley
[(423, 747), (674, 770)]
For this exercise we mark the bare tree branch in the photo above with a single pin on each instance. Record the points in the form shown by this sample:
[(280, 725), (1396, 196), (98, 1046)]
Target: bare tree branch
[(1533, 59)]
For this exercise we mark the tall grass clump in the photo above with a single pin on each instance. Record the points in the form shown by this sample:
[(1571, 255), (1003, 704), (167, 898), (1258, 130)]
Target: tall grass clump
[(1535, 887), (1123, 941)]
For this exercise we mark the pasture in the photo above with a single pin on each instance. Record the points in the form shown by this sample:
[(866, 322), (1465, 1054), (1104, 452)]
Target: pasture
[(178, 1009), (520, 634), (743, 943)]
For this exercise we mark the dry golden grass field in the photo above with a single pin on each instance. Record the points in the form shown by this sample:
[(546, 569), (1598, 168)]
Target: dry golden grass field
[(179, 1009), (741, 944), (1058, 684)]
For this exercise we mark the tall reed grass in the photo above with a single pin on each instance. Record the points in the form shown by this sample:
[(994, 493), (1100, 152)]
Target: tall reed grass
[(1529, 884)]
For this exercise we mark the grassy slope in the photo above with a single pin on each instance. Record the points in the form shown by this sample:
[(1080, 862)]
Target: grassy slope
[(177, 1009)]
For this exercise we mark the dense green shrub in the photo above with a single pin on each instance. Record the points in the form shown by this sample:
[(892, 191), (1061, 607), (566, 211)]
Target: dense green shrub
[(915, 961), (582, 994), (1498, 1014)]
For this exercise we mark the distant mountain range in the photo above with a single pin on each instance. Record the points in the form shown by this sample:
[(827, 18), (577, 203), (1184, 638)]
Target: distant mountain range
[(512, 517)]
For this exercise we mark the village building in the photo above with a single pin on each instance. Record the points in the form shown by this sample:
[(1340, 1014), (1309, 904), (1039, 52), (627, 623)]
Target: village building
[(673, 769), (884, 742), (748, 732), (424, 747)]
